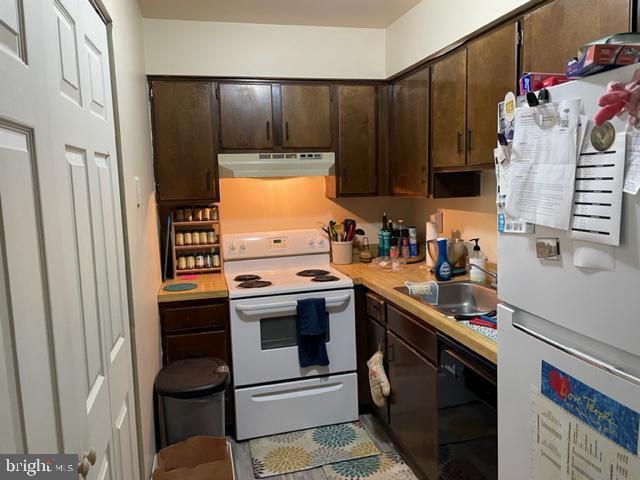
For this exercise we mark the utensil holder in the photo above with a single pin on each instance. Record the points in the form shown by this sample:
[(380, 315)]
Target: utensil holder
[(342, 252)]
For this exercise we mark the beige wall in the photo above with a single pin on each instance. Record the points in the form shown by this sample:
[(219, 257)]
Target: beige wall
[(233, 49), (434, 24), (250, 204), (141, 224)]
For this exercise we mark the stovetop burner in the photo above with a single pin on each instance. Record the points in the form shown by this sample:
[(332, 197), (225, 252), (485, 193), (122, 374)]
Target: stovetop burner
[(312, 273), (254, 284), (246, 278), (324, 278)]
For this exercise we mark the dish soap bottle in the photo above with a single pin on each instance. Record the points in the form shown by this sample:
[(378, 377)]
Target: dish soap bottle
[(442, 268), (477, 258)]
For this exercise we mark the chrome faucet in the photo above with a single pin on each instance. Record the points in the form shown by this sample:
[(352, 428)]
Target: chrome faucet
[(493, 275)]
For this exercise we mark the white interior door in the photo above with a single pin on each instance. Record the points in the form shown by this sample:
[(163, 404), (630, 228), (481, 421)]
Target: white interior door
[(73, 174)]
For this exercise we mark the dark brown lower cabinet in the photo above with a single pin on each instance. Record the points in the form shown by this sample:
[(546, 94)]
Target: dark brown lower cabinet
[(413, 406), (377, 339), (198, 328)]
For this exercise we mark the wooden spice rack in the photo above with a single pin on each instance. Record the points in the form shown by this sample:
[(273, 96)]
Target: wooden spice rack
[(192, 226)]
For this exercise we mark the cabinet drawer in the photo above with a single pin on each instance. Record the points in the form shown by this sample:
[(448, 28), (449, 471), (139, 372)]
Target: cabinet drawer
[(196, 316), (376, 307), (192, 345), (419, 336)]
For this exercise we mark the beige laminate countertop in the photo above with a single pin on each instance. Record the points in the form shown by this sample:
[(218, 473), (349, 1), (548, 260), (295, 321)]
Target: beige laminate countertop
[(210, 285), (384, 283)]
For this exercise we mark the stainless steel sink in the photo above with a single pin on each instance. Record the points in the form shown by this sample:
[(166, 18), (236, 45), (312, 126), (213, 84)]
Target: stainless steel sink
[(461, 298)]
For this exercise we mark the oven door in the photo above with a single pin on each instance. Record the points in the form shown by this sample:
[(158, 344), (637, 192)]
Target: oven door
[(264, 340)]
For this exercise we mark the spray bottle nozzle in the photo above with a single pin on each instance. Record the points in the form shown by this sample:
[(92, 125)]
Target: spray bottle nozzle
[(476, 248)]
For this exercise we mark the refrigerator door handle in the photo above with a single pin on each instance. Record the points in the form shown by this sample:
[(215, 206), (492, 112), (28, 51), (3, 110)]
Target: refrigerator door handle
[(585, 357)]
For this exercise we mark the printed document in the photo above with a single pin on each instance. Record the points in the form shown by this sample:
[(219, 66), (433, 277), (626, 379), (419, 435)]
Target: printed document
[(543, 160), (632, 169), (597, 203), (565, 448)]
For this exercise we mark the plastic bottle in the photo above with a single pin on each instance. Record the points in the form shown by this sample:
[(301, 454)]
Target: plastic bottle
[(477, 258), (404, 243), (442, 268)]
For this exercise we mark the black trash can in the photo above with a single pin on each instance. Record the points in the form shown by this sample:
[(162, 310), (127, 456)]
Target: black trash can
[(191, 397)]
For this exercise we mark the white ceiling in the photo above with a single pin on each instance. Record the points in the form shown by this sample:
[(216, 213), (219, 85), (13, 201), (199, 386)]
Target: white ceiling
[(338, 13)]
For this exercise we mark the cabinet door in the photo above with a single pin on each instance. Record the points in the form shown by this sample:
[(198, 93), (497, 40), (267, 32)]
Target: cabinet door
[(185, 161), (491, 72), (413, 407), (246, 116), (409, 143), (553, 33), (306, 116), (377, 339), (357, 140), (448, 87)]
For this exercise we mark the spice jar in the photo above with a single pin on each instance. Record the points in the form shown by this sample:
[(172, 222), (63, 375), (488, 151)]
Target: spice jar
[(214, 213), (179, 215), (215, 260), (187, 238), (191, 262), (198, 214), (195, 238), (206, 213), (182, 263), (208, 263), (212, 237), (199, 261), (203, 238), (188, 215), (179, 239)]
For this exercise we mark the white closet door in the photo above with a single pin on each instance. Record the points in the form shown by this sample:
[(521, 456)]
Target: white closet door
[(29, 417), (82, 235)]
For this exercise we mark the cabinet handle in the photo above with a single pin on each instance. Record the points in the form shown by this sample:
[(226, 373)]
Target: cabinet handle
[(468, 139), (286, 130), (424, 174), (268, 130), (459, 143), (391, 352)]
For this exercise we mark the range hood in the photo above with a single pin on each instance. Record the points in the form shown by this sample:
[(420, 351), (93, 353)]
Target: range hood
[(280, 164)]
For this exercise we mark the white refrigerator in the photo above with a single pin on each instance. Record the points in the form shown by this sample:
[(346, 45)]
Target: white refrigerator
[(582, 323)]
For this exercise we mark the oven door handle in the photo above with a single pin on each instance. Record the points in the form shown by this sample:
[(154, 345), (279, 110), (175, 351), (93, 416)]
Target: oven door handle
[(286, 306)]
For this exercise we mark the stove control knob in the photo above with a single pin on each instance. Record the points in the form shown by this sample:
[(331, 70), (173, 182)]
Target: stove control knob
[(320, 242), (232, 247), (243, 246), (311, 242)]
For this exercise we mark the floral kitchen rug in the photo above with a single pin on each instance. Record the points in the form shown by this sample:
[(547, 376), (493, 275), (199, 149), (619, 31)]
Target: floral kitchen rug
[(306, 449), (387, 466)]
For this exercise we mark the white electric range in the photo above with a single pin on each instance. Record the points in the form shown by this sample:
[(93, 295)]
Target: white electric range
[(266, 274)]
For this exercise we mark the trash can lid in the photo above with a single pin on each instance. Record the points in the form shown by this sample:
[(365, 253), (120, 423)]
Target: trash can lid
[(192, 378)]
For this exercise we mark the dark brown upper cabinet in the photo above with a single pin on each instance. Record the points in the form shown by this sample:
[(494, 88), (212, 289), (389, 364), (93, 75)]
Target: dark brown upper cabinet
[(357, 155), (306, 116), (409, 134), (448, 97), (246, 116), (466, 88), (491, 73), (553, 33), (186, 167)]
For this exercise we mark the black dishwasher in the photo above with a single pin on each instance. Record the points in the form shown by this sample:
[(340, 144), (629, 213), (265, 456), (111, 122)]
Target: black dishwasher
[(467, 414)]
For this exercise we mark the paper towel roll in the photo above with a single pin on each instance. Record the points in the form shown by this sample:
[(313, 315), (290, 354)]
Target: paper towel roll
[(432, 233)]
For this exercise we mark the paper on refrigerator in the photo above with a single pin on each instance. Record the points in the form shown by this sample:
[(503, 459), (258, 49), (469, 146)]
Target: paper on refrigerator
[(597, 203), (564, 448), (632, 167), (543, 163)]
